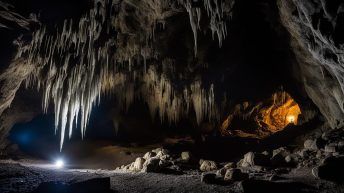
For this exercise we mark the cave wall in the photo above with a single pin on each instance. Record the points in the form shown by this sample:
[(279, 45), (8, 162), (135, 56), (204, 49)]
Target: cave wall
[(314, 27), (25, 106)]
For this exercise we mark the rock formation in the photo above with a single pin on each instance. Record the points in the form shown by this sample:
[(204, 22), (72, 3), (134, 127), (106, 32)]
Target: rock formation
[(125, 49)]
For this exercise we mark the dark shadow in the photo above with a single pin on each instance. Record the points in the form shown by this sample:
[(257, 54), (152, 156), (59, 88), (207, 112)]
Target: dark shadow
[(260, 186), (89, 186)]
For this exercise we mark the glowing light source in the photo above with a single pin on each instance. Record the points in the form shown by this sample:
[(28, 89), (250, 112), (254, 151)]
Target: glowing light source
[(59, 163), (291, 118)]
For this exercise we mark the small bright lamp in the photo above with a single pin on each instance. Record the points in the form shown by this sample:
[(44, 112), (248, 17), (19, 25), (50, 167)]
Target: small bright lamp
[(291, 118), (59, 163)]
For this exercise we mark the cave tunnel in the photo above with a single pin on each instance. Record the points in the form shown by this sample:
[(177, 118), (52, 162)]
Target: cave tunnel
[(235, 93)]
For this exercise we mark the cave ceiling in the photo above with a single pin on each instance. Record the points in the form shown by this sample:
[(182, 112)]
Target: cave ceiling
[(176, 56)]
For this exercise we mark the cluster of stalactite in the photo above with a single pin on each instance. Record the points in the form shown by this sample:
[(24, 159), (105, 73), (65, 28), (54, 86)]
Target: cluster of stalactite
[(219, 13), (7, 15), (73, 65)]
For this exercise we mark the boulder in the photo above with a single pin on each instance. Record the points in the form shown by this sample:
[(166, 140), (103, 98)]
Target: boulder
[(207, 165), (331, 148), (304, 153), (221, 172), (229, 165), (149, 155), (164, 163), (208, 178), (185, 156), (280, 151), (278, 157), (331, 169), (310, 144), (253, 159), (163, 154), (266, 153), (235, 175), (157, 150), (151, 165), (319, 154), (325, 136), (340, 146), (137, 165), (292, 159)]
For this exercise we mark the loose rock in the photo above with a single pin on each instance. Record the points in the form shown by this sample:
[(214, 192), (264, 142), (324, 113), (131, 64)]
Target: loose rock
[(151, 165), (235, 175), (207, 165), (331, 148), (186, 156), (208, 178), (149, 155)]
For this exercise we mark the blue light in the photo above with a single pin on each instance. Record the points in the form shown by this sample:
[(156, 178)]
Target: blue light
[(24, 138)]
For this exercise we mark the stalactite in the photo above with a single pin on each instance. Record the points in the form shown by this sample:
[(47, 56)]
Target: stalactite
[(217, 15), (74, 68)]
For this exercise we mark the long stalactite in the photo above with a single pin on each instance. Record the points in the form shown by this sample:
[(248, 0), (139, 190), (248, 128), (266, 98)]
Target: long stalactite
[(74, 66)]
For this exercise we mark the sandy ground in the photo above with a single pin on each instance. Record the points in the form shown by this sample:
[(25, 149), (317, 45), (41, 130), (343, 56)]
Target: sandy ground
[(26, 177)]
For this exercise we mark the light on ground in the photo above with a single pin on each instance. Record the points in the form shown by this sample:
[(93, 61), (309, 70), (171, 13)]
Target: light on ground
[(59, 163)]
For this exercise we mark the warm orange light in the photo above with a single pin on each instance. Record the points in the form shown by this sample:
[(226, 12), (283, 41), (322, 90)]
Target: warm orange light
[(291, 118), (283, 111), (270, 116)]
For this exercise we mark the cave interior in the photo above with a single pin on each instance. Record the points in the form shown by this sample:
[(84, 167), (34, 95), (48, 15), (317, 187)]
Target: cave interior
[(242, 95)]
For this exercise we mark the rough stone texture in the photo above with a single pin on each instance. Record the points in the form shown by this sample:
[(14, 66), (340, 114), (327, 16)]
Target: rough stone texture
[(23, 109), (330, 148), (278, 156), (310, 144), (331, 169), (229, 165), (207, 165), (185, 155), (149, 155), (138, 164), (314, 27), (151, 165), (208, 178), (235, 175), (252, 159), (221, 172)]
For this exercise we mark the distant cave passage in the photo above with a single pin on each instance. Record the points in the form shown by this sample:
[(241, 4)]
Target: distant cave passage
[(262, 119)]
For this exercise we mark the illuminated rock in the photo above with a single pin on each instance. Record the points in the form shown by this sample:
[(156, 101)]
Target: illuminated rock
[(207, 165), (264, 118), (282, 111)]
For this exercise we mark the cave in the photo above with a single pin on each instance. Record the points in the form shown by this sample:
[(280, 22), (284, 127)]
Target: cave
[(171, 96)]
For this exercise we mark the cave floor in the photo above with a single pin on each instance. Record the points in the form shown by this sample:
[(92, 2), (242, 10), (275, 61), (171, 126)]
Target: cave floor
[(27, 176), (24, 177)]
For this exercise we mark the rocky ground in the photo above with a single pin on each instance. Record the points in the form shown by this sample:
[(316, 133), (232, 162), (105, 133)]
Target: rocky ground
[(315, 167)]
